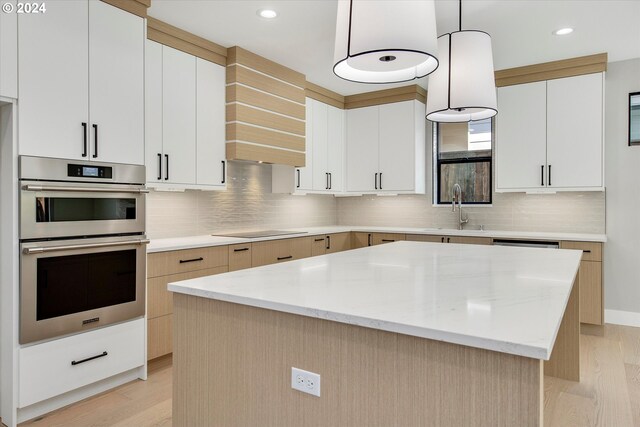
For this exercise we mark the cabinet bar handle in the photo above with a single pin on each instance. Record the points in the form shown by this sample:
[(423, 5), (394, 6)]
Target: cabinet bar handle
[(319, 240), (84, 139), (74, 362), (224, 171), (330, 181), (381, 180), (166, 172), (376, 181), (442, 240), (159, 166), (95, 141), (241, 250), (280, 258), (369, 238), (298, 184), (328, 242), (388, 240), (542, 175), (326, 187), (549, 175), (183, 261), (586, 251), (448, 239)]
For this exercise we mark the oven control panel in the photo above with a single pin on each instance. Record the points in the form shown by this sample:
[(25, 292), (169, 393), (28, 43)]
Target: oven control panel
[(89, 171)]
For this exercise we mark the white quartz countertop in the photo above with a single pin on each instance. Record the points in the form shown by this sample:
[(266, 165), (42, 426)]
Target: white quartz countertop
[(171, 244), (506, 299)]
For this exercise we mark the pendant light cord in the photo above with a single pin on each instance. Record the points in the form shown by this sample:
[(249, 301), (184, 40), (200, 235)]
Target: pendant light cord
[(460, 16)]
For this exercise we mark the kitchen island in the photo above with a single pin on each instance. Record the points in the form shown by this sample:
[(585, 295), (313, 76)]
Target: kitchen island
[(403, 334)]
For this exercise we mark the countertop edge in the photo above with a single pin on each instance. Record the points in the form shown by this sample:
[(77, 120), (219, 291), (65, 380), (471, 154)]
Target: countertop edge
[(533, 352)]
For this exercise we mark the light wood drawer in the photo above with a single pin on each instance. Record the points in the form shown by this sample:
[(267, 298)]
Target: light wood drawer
[(159, 336), (468, 240), (319, 245), (360, 240), (338, 242), (173, 262), (160, 300), (239, 256), (274, 251), (380, 238), (46, 369), (425, 238), (591, 310), (591, 251)]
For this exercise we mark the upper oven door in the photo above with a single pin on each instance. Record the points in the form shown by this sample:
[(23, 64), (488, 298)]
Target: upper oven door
[(58, 209)]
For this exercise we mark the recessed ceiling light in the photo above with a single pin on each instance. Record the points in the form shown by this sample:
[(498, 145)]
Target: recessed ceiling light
[(267, 13), (563, 31)]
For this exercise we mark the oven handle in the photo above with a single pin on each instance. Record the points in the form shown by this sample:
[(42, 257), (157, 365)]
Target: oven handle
[(83, 189), (30, 251)]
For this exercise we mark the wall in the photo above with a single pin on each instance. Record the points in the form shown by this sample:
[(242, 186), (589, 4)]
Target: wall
[(247, 204), (622, 251)]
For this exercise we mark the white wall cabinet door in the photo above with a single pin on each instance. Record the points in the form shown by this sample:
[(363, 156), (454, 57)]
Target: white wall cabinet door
[(335, 148), (397, 146), (210, 131), (521, 138), (362, 148), (178, 116), (53, 87), (116, 84), (304, 176), (574, 131), (320, 140), (153, 111)]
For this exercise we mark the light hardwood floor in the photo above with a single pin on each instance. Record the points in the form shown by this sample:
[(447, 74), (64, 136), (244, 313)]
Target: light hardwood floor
[(607, 396)]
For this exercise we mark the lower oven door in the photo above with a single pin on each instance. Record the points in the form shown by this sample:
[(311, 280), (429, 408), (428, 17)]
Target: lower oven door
[(72, 286)]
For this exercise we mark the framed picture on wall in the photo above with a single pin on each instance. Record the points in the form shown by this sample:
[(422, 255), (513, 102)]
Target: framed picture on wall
[(634, 118)]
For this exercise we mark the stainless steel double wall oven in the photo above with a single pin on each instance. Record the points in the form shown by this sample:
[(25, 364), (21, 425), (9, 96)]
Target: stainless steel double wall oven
[(82, 243)]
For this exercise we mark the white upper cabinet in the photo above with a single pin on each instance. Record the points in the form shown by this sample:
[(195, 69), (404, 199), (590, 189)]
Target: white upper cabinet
[(9, 53), (550, 135), (386, 148), (116, 84), (521, 135), (185, 120), (81, 68), (362, 149), (574, 132), (211, 166), (53, 115), (324, 170), (178, 116)]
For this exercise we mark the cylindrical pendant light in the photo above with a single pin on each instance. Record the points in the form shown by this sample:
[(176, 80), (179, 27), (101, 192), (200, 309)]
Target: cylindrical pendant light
[(463, 87), (381, 41)]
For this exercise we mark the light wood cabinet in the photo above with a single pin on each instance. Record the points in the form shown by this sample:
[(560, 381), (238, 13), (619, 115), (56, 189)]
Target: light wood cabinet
[(319, 246), (182, 261), (549, 135), (360, 240), (239, 256), (590, 280), (338, 242), (82, 89), (449, 239), (275, 251)]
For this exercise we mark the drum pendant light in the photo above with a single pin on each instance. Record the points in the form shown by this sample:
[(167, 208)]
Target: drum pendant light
[(463, 88), (381, 41)]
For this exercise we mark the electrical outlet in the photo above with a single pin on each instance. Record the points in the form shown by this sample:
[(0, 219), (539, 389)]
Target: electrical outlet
[(305, 381)]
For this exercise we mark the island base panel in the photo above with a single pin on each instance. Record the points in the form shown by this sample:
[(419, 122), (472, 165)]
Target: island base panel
[(232, 367), (565, 356)]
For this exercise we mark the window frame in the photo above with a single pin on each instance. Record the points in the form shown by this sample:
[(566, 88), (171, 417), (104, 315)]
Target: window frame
[(437, 199)]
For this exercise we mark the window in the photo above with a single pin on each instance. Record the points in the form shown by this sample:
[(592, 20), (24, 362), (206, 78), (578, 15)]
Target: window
[(462, 155)]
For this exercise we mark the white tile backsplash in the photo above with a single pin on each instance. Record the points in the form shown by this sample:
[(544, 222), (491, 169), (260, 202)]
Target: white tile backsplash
[(247, 204)]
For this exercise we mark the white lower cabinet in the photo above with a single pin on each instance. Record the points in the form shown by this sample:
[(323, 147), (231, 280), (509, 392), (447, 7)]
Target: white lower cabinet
[(55, 367), (185, 120), (549, 135), (386, 148)]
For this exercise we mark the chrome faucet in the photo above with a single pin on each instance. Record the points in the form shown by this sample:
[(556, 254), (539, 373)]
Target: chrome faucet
[(456, 194)]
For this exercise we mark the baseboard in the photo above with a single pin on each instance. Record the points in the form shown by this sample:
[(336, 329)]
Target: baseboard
[(49, 405), (626, 318)]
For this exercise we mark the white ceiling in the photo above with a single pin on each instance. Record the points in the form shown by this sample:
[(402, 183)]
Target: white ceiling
[(302, 36)]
